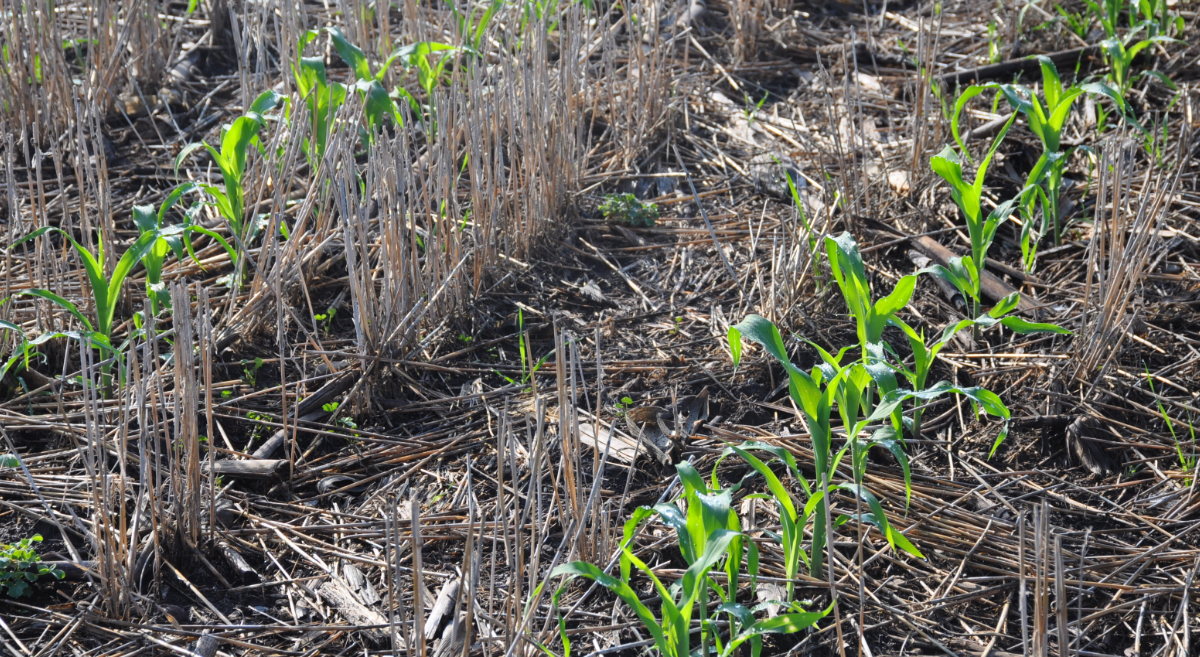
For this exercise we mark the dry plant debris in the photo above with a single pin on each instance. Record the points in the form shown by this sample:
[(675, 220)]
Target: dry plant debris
[(361, 376)]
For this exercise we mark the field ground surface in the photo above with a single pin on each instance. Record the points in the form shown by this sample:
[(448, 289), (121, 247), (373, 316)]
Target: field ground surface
[(393, 368)]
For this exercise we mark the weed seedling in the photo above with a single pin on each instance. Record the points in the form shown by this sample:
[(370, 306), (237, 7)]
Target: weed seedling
[(1187, 462), (527, 370), (20, 566), (627, 209), (250, 371), (326, 318)]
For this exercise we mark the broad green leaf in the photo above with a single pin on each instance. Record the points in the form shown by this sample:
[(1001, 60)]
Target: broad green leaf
[(350, 53)]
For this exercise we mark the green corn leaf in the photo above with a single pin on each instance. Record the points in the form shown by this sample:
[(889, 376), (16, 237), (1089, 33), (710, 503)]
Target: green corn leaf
[(967, 94), (186, 151), (802, 386), (220, 240), (889, 439), (898, 299), (145, 218), (734, 337), (132, 256), (1006, 305), (265, 102), (948, 165), (1018, 325), (1051, 83), (350, 53), (789, 623), (61, 302), (631, 526), (716, 547), (626, 594), (851, 276), (674, 518)]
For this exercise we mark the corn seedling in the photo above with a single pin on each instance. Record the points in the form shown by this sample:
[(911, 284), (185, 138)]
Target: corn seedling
[(1119, 54), (147, 221), (238, 137), (1108, 13), (707, 536), (419, 56), (708, 511), (966, 272), (20, 566), (322, 97), (1077, 23), (1157, 19), (815, 394), (377, 104), (471, 30), (792, 519), (924, 354), (106, 291), (1046, 116), (870, 317)]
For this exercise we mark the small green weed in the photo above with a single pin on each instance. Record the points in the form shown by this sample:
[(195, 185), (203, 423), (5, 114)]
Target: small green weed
[(250, 370), (527, 371), (1187, 462), (326, 318), (627, 209), (20, 566)]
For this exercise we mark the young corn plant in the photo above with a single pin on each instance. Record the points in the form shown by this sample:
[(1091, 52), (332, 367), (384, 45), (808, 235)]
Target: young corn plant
[(966, 273), (419, 56), (792, 519), (1046, 116), (1107, 13), (377, 104), (150, 221), (471, 30), (236, 141), (1157, 18), (815, 393), (1120, 53), (925, 354), (870, 317), (322, 97), (705, 540), (106, 290), (707, 511)]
